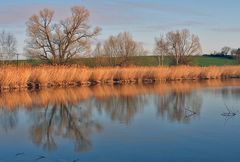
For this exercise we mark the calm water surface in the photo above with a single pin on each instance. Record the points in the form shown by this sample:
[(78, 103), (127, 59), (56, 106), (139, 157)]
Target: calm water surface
[(191, 121)]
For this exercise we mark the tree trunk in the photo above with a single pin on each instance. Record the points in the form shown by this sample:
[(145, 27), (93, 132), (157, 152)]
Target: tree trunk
[(162, 59), (159, 61)]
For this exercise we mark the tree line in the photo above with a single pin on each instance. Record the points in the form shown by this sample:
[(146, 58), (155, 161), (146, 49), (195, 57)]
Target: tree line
[(60, 42), (227, 52)]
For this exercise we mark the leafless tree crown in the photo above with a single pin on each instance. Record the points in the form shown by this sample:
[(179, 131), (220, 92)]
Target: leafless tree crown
[(119, 49), (58, 42), (161, 49), (225, 50), (7, 45), (180, 45), (236, 54)]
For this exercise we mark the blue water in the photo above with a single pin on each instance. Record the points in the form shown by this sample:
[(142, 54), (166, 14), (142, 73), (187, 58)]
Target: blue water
[(172, 127)]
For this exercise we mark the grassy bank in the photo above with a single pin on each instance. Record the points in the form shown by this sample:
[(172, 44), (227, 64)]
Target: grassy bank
[(12, 77), (213, 61)]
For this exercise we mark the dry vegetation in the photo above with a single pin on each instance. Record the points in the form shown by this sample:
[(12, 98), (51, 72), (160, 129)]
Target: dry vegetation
[(12, 77)]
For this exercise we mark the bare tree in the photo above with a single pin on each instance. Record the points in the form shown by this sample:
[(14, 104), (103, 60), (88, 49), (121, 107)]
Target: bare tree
[(161, 49), (59, 42), (180, 45), (99, 57), (225, 50), (119, 49), (7, 45), (236, 54)]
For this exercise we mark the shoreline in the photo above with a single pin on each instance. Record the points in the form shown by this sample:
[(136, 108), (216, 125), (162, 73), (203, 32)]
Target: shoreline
[(34, 78)]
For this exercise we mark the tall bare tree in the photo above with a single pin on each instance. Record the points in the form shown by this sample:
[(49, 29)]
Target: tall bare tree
[(180, 45), (59, 42), (119, 49), (161, 49), (8, 45)]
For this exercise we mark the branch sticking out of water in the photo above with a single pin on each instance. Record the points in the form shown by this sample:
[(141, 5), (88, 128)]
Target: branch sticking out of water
[(40, 157), (20, 153), (190, 112), (75, 160), (230, 113)]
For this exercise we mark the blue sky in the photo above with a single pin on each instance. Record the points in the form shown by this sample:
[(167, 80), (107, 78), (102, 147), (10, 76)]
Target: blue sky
[(216, 22)]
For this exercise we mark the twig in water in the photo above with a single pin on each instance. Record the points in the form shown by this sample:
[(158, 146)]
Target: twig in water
[(20, 153), (40, 157), (190, 113), (75, 160), (229, 113)]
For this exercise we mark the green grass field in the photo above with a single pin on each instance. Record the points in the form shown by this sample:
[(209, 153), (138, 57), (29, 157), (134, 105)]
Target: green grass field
[(209, 61), (146, 61), (197, 60)]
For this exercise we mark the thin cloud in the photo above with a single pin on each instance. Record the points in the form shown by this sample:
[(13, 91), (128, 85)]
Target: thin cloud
[(19, 14), (128, 5), (107, 13), (167, 8), (231, 30), (170, 26), (111, 13)]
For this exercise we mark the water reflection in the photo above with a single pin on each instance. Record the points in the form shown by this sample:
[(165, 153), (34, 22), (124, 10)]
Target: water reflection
[(227, 93), (41, 99), (66, 121), (69, 113), (179, 106), (8, 119), (122, 108)]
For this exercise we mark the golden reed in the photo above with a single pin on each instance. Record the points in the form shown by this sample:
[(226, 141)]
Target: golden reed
[(12, 77)]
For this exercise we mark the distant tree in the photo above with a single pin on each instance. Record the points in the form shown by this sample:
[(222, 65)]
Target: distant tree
[(233, 51), (119, 49), (8, 45), (225, 50), (236, 54), (180, 45), (161, 49), (98, 50), (100, 58), (59, 42)]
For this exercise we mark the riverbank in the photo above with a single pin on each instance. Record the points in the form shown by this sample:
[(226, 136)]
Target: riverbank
[(27, 77)]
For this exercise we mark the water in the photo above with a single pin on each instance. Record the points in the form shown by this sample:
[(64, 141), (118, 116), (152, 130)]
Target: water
[(190, 121)]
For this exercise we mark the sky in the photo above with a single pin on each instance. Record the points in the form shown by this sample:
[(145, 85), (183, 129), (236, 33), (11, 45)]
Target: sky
[(216, 22)]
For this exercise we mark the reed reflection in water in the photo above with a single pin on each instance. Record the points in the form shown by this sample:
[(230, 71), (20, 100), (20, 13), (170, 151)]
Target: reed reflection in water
[(69, 113)]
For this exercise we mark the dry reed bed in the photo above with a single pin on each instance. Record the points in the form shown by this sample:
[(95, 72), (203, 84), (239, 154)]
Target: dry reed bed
[(12, 77), (50, 96)]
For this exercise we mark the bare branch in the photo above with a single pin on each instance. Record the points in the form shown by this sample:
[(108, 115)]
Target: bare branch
[(7, 45), (60, 42), (119, 49), (179, 45)]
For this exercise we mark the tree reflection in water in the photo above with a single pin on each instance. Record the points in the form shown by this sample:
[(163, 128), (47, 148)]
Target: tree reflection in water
[(176, 105), (66, 121), (56, 113), (8, 119), (121, 108)]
